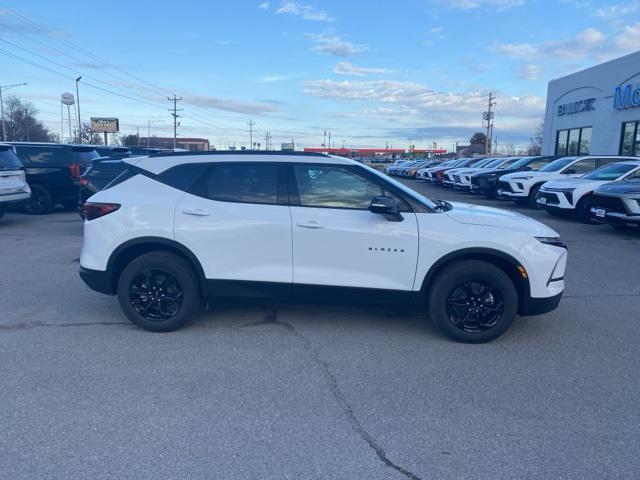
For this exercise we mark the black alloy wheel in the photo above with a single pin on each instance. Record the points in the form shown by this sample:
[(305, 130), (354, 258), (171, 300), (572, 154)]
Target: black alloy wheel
[(159, 291), (475, 306), (156, 294), (472, 301)]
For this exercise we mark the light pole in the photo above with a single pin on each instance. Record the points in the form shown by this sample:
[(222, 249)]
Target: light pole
[(5, 87), (78, 103)]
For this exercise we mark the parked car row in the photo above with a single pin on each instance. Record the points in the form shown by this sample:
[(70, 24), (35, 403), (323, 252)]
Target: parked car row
[(592, 188), (35, 177)]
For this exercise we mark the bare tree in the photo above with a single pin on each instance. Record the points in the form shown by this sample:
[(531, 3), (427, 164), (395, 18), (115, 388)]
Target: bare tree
[(21, 123), (535, 145)]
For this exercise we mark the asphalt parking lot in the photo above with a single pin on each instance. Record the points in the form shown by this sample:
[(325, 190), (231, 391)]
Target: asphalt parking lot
[(314, 392)]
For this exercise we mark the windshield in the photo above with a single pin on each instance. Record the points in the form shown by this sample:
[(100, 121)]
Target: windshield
[(522, 162), (494, 162), (610, 172), (9, 160), (506, 163), (84, 155), (557, 164)]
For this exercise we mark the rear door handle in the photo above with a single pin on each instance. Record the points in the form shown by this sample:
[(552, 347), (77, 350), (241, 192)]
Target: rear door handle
[(196, 212), (310, 224)]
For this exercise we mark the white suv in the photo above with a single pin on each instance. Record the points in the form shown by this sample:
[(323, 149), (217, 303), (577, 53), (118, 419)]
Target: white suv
[(522, 187), (14, 190), (574, 195), (179, 230)]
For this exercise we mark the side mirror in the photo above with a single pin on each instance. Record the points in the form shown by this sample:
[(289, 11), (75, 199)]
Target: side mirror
[(387, 206)]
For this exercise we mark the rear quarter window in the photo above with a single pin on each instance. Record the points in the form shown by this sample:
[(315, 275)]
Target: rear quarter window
[(43, 156), (9, 160)]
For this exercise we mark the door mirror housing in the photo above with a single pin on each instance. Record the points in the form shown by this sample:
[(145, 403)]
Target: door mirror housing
[(387, 206)]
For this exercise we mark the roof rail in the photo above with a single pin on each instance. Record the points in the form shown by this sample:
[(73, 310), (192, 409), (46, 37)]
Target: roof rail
[(237, 152)]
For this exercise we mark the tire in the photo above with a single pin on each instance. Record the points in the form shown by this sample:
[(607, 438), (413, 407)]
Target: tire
[(532, 196), (159, 275), (583, 209), (456, 303), (40, 202)]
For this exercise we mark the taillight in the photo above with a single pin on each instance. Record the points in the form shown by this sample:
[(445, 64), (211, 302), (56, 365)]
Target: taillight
[(74, 168), (91, 211), (84, 182)]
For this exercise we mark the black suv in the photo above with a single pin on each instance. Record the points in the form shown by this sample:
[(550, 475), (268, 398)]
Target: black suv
[(486, 182), (101, 172), (108, 150), (53, 172)]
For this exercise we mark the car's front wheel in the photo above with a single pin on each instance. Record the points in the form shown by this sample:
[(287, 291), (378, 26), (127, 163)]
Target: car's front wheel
[(158, 291), (472, 301)]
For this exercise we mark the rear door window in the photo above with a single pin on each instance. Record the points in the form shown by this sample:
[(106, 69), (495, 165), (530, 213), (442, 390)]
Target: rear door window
[(239, 183)]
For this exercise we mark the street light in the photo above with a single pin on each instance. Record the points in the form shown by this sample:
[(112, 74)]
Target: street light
[(6, 87), (78, 104)]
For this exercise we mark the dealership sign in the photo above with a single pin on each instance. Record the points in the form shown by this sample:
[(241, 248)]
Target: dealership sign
[(576, 107), (105, 125), (626, 97)]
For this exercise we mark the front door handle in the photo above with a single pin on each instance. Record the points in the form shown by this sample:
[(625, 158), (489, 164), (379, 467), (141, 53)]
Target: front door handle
[(310, 224), (196, 212)]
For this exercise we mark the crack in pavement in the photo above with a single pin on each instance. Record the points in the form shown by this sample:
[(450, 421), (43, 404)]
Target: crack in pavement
[(271, 318), (28, 326)]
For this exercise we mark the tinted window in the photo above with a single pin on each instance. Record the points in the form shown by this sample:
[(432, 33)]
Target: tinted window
[(240, 182), (334, 186), (582, 166), (9, 160), (183, 177), (83, 155), (40, 156), (101, 173)]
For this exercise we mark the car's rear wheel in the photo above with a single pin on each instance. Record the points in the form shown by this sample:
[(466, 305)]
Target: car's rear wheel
[(473, 301), (158, 291), (40, 202)]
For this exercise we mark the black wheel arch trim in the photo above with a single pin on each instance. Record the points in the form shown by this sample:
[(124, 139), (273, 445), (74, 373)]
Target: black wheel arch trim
[(480, 253), (163, 242)]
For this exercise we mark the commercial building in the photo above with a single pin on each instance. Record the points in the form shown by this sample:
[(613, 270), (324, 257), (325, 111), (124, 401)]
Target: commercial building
[(194, 144), (595, 111)]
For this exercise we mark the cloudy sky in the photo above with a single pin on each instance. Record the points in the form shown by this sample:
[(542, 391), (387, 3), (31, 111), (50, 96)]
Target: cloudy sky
[(370, 72)]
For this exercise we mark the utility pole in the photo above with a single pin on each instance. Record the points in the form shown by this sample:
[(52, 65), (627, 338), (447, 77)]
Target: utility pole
[(324, 139), (329, 139), (251, 123), (267, 141), (5, 87), (489, 119), (78, 105), (26, 123), (148, 133), (174, 113)]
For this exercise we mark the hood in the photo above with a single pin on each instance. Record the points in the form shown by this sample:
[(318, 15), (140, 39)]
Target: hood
[(569, 183), (530, 174), (621, 188), (496, 217)]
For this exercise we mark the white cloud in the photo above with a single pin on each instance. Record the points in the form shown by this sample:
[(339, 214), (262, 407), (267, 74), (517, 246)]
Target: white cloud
[(420, 98), (629, 38), (280, 78), (587, 42), (530, 72), (348, 68), (498, 5), (264, 6), (334, 45), (617, 12), (230, 105), (308, 12)]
